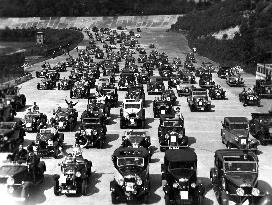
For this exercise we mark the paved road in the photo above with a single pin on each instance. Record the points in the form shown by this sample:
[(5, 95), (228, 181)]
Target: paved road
[(203, 130)]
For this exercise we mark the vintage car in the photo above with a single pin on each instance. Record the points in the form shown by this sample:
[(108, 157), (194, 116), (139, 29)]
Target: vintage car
[(174, 82), (103, 82), (111, 93), (235, 134), (249, 97), (189, 66), (65, 119), (235, 81), (198, 100), (217, 93), (75, 175), (184, 90), (223, 72), (264, 88), (131, 180), (171, 132), (48, 142), (7, 113), (190, 57), (165, 71), (142, 58), (60, 67), (46, 84), (169, 96), (206, 81), (64, 84), (144, 76), (179, 178), (132, 114), (80, 90), (136, 92), (155, 86), (235, 178), (126, 79), (14, 98), (20, 178), (185, 76), (260, 127), (137, 139), (162, 107), (11, 135), (91, 133), (33, 119)]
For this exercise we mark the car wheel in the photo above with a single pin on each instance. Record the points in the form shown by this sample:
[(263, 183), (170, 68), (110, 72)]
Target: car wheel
[(162, 149), (11, 147), (84, 187), (56, 188), (100, 144), (167, 200), (113, 198)]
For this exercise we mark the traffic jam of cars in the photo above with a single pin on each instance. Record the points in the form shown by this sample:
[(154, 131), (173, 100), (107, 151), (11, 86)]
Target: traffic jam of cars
[(115, 71)]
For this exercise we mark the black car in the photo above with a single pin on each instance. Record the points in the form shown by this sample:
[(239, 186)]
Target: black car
[(206, 81), (171, 132), (11, 135), (169, 96), (33, 121), (65, 119), (224, 72), (22, 177), (217, 93), (155, 85), (162, 107), (14, 98), (131, 181), (260, 127), (179, 178), (249, 97), (264, 88), (235, 178)]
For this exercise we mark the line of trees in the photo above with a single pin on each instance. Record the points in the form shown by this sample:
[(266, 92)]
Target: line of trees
[(249, 46), (28, 8)]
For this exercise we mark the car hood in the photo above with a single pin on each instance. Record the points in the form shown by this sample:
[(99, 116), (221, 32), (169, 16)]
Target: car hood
[(12, 171), (242, 179), (240, 133), (132, 110), (5, 131), (181, 173)]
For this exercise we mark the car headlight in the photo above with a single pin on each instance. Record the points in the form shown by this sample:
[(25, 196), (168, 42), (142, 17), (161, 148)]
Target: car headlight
[(180, 135), (10, 181), (5, 138), (255, 192), (139, 181), (167, 136), (240, 192), (78, 174), (119, 179), (175, 185), (193, 185), (95, 132)]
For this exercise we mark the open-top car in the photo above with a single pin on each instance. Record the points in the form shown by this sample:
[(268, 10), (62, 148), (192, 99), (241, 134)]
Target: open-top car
[(13, 96), (179, 178), (162, 107), (132, 114), (46, 84), (112, 95), (260, 127), (155, 86), (235, 134), (217, 93), (264, 88), (80, 90), (74, 177), (186, 76), (171, 132), (235, 178), (91, 133), (206, 81), (249, 97), (33, 120), (64, 84), (20, 178), (169, 96), (198, 100), (11, 135), (131, 181), (223, 72), (235, 81), (183, 90), (174, 81), (136, 92), (126, 79), (65, 119), (137, 139), (49, 142)]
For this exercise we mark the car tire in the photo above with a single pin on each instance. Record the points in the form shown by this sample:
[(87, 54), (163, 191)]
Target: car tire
[(100, 144), (84, 187), (11, 147), (167, 200), (113, 199), (38, 86), (223, 198), (263, 143), (56, 188)]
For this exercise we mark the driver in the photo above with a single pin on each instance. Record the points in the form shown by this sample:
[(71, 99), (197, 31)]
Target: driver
[(35, 107), (18, 155)]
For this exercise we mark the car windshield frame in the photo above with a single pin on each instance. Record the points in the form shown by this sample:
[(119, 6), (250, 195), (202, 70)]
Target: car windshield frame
[(182, 165), (239, 126), (132, 106), (129, 161), (240, 168)]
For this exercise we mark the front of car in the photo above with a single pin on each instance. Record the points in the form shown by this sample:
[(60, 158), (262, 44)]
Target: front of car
[(131, 178), (44, 143), (201, 103), (31, 121), (62, 120), (252, 99), (217, 93), (235, 81), (132, 113), (136, 139), (161, 107), (12, 178)]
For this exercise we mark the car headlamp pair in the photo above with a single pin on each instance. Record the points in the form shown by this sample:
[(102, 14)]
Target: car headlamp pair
[(240, 191)]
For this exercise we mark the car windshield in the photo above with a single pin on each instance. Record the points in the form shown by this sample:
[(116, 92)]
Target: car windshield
[(181, 165), (172, 123), (240, 126), (199, 93), (133, 161), (136, 106), (240, 166)]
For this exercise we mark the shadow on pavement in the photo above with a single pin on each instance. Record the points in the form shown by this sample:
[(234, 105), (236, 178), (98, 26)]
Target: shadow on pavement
[(208, 186), (94, 179), (155, 181), (148, 121), (110, 138)]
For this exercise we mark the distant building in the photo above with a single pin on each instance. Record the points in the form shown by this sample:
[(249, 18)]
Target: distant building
[(263, 71)]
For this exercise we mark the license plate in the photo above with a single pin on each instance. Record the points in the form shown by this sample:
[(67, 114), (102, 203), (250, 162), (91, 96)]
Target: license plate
[(243, 141), (173, 139), (130, 186), (184, 195), (173, 147), (69, 191), (163, 112), (156, 90)]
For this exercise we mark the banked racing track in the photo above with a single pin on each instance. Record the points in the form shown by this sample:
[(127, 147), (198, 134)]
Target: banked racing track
[(203, 129)]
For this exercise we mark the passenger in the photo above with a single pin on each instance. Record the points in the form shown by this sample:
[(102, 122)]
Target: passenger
[(18, 155), (35, 107), (70, 104)]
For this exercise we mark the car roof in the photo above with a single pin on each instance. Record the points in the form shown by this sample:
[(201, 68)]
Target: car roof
[(180, 155), (223, 153), (130, 152), (236, 119)]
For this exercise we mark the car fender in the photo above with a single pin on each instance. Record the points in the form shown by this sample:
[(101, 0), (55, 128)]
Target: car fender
[(265, 200)]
